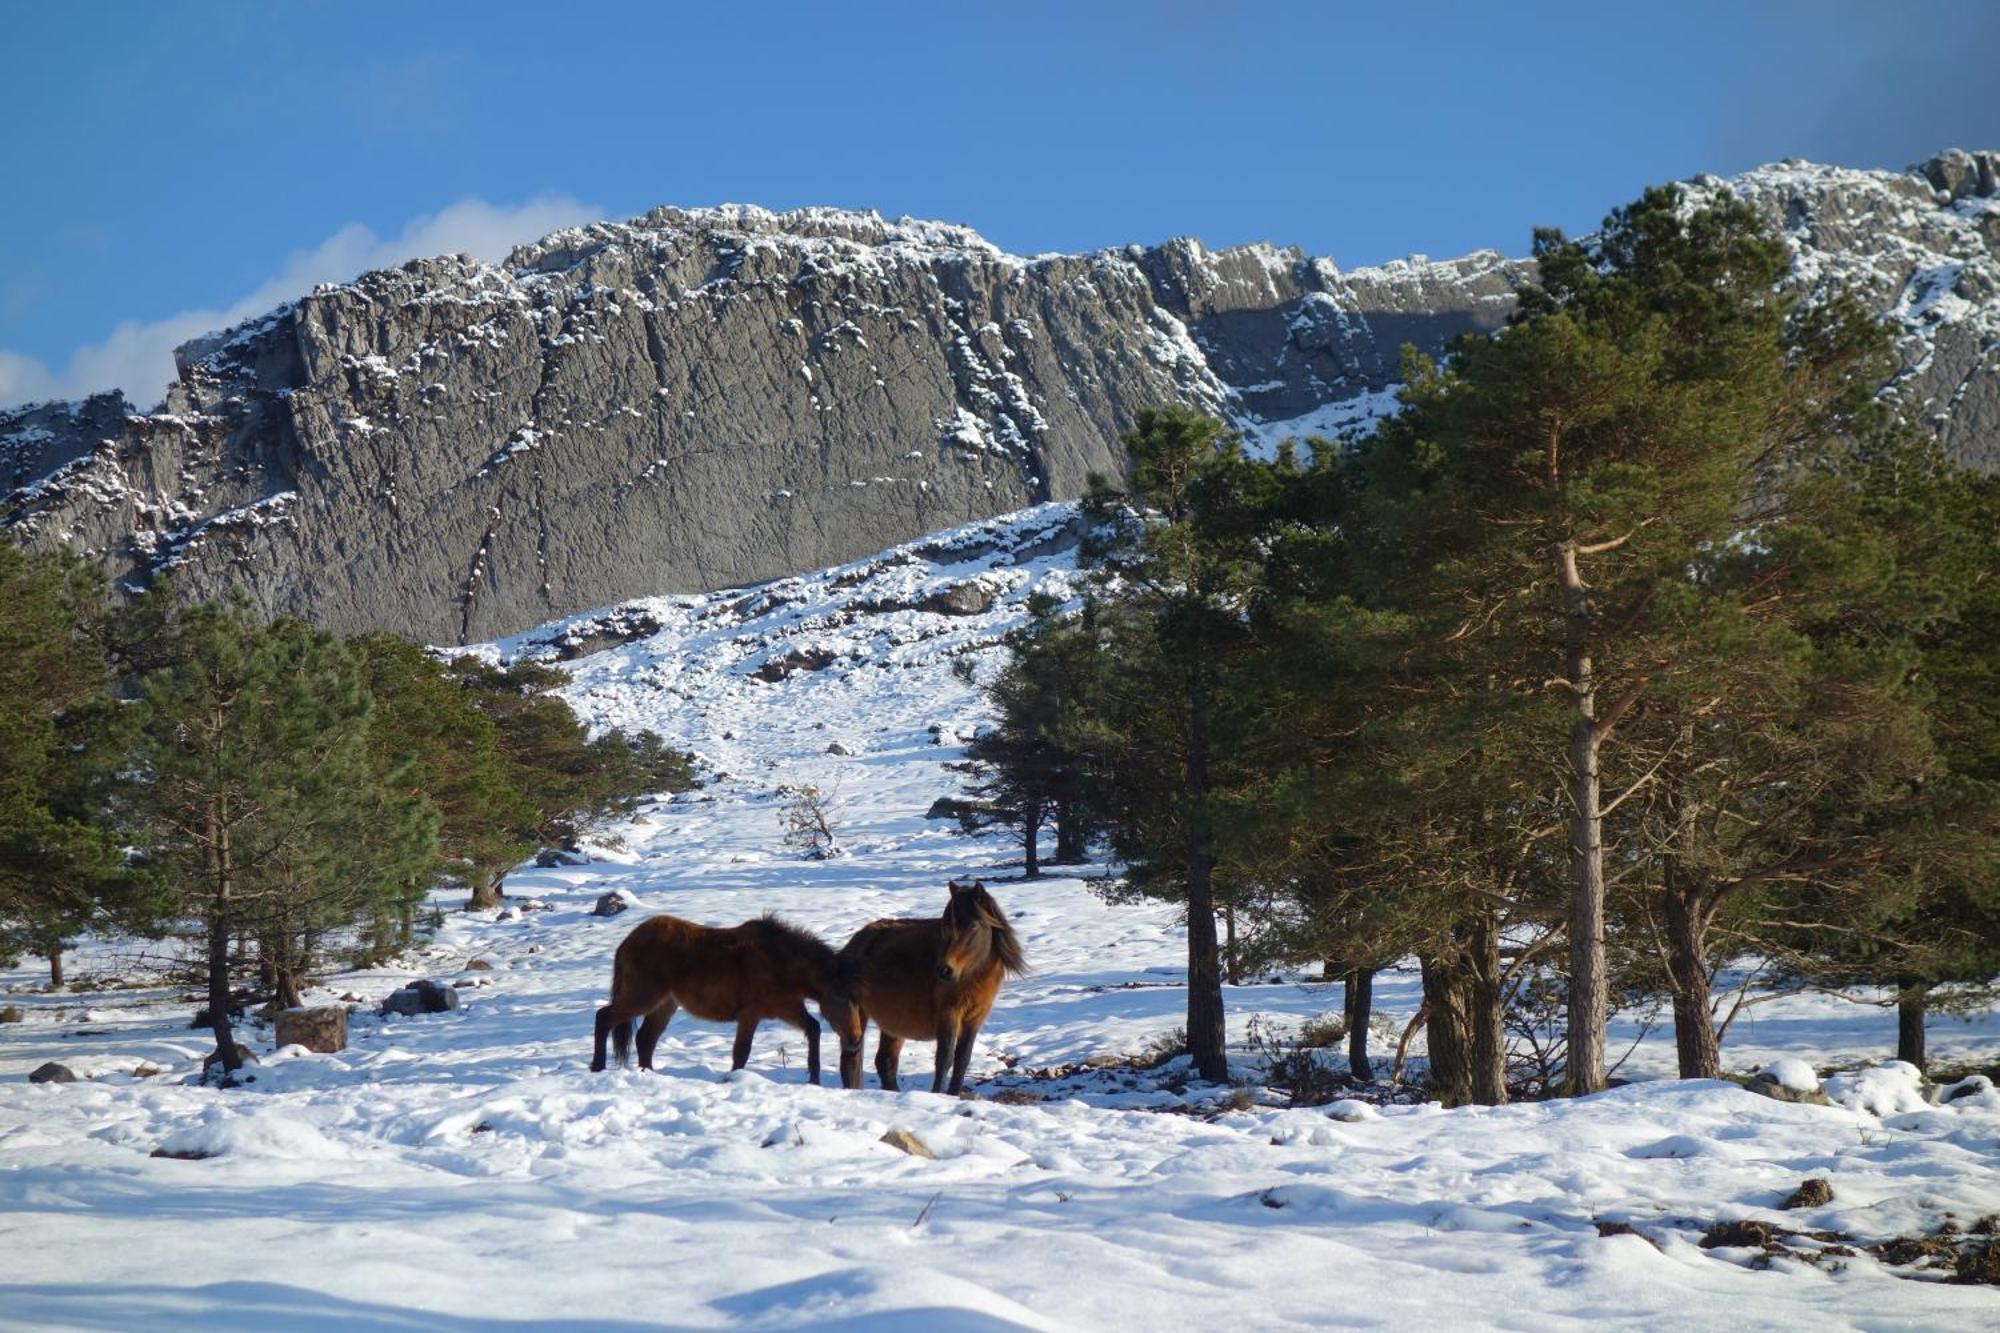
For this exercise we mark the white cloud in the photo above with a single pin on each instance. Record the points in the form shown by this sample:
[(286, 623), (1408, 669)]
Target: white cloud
[(138, 357)]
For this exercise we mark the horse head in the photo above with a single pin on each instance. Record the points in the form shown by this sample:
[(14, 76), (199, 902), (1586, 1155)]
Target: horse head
[(971, 920)]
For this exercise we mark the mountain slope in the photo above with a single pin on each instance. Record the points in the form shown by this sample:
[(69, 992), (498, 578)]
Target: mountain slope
[(456, 450)]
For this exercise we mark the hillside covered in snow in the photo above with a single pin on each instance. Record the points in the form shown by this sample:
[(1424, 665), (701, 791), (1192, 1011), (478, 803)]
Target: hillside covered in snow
[(464, 1169)]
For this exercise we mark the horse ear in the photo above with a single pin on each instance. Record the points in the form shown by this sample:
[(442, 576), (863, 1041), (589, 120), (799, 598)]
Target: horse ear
[(959, 887)]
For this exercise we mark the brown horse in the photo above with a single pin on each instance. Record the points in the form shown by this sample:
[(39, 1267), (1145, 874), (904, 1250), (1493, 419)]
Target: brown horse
[(926, 979), (744, 974)]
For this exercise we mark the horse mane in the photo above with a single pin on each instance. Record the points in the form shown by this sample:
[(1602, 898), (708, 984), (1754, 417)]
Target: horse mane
[(1006, 944), (797, 940)]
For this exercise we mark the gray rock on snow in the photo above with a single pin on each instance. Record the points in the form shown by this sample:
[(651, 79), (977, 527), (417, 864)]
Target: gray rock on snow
[(51, 1072), (960, 599), (611, 904), (1770, 1087), (420, 997)]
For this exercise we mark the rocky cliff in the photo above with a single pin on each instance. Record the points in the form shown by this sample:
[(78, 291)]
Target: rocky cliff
[(695, 399)]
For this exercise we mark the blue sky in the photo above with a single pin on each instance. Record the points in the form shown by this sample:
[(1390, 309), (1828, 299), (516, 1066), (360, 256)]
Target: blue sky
[(172, 167)]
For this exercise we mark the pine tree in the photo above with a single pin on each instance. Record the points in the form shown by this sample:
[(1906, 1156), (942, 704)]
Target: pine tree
[(1035, 767), (61, 868), (264, 816), (562, 779), (431, 736), (1557, 482), (1188, 564), (1917, 910)]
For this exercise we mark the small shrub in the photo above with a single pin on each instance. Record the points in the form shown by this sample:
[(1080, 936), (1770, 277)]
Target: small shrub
[(1320, 1033), (1170, 1045), (1295, 1063), (807, 824)]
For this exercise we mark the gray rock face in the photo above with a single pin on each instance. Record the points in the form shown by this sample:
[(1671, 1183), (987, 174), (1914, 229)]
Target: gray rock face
[(697, 399)]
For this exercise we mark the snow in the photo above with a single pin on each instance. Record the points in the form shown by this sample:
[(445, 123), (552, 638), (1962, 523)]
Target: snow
[(1792, 1073), (1346, 418), (465, 1170), (1890, 1088)]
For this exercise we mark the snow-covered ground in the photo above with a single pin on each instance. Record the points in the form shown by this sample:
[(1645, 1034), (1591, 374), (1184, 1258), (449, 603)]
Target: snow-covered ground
[(465, 1170)]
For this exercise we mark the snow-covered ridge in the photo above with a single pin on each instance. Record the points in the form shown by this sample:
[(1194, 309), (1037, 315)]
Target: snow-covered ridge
[(708, 397)]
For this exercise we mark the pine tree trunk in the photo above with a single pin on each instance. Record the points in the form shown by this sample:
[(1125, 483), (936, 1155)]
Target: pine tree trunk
[(1589, 991), (1232, 968), (1070, 840), (1356, 1008), (222, 872), (1687, 971), (1447, 1033), (1031, 830), (1486, 1011), (486, 895), (1912, 1000), (1207, 1042), (55, 967)]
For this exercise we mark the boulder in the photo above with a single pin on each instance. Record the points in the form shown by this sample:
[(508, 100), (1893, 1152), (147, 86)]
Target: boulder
[(420, 997), (11, 1013), (960, 599), (1779, 1092), (904, 1141), (322, 1029), (797, 660), (1789, 1080), (478, 965), (611, 904), (52, 1073), (836, 748), (1814, 1193), (550, 857)]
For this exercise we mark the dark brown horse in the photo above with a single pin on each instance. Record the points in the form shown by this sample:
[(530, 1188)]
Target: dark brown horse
[(744, 974), (926, 979)]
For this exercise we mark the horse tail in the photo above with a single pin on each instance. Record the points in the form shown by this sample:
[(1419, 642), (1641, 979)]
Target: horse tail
[(621, 1031)]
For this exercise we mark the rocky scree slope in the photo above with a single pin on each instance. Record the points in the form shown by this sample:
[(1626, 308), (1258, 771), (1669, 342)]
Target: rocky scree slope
[(694, 399)]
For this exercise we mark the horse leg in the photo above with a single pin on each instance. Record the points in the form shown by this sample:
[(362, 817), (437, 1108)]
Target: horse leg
[(850, 1055), (746, 1028), (607, 1018), (809, 1025), (616, 1024), (960, 1059), (888, 1055), (649, 1031), (947, 1042)]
